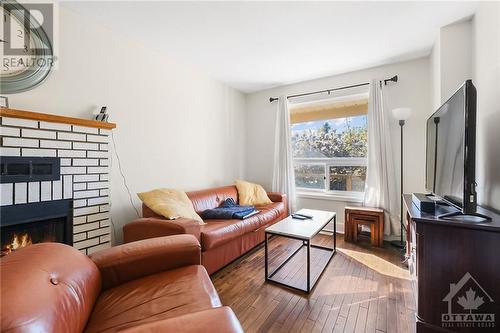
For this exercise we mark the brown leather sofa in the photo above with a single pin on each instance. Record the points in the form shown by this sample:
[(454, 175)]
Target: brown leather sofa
[(147, 286), (222, 241)]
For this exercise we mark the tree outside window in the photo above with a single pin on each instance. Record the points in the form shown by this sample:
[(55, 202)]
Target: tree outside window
[(331, 154)]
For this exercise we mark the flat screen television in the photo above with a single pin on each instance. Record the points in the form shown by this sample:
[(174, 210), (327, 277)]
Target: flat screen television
[(451, 149)]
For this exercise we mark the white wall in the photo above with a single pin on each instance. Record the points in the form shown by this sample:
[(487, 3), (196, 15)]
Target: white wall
[(456, 57), (412, 90), (486, 78), (451, 61), (435, 84), (176, 127)]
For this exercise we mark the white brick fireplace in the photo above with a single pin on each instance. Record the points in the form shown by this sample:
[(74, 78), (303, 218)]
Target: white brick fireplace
[(83, 148)]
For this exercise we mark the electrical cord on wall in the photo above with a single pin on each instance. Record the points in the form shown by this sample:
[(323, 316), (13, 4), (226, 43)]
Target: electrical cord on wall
[(123, 176)]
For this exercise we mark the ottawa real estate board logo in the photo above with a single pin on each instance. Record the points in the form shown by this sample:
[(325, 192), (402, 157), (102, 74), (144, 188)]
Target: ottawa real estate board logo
[(468, 305)]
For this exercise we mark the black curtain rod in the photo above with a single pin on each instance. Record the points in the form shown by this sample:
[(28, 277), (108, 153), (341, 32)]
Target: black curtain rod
[(392, 79)]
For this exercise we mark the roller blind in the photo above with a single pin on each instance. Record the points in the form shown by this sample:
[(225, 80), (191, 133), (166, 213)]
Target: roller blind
[(331, 110)]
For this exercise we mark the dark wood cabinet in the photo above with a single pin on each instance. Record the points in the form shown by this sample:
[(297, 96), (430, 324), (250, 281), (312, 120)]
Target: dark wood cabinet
[(455, 270)]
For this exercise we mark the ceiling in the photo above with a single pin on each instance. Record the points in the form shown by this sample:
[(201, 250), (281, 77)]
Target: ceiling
[(257, 45)]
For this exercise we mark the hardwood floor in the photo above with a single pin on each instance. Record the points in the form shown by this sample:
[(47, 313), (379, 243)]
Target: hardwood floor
[(363, 289)]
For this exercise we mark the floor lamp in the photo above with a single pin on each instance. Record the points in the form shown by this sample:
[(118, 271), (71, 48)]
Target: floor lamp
[(401, 114)]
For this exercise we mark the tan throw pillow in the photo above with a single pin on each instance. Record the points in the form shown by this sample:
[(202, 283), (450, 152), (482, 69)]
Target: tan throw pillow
[(170, 203), (250, 194)]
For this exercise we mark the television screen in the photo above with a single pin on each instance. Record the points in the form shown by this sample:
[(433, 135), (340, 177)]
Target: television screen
[(450, 149)]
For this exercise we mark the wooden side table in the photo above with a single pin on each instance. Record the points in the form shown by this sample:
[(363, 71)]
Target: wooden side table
[(357, 216)]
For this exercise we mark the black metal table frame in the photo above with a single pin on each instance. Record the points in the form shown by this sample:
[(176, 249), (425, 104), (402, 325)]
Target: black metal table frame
[(306, 243)]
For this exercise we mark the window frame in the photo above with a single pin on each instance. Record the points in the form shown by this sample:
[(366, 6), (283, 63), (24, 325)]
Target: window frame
[(326, 193), (312, 163)]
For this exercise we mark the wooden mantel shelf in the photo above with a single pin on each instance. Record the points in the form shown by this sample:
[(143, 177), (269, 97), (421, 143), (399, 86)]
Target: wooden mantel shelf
[(4, 112)]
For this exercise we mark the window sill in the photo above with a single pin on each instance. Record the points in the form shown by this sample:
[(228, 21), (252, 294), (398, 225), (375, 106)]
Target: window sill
[(356, 197)]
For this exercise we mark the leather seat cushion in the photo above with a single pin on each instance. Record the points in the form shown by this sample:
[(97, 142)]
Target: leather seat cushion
[(155, 297), (276, 209), (219, 232)]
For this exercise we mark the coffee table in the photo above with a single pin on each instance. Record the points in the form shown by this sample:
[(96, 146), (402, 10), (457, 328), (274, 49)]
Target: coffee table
[(303, 230)]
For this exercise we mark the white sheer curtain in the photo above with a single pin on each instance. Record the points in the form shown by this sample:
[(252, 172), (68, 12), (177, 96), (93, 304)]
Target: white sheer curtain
[(381, 180), (283, 173)]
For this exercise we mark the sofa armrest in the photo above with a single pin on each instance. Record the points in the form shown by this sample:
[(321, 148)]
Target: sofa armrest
[(134, 260), (151, 227), (220, 320), (279, 197)]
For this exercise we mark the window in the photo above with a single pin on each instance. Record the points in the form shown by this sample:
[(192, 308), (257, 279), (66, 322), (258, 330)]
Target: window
[(329, 144)]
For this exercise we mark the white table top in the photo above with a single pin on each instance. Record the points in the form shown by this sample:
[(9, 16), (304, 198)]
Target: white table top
[(302, 229)]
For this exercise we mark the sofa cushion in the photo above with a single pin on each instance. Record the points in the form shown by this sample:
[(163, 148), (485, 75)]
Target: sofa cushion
[(170, 203), (276, 208), (211, 198), (218, 232), (221, 320), (250, 194), (155, 297)]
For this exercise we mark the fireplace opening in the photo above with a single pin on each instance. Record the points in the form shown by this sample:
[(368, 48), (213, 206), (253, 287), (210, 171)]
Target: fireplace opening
[(17, 236), (23, 225)]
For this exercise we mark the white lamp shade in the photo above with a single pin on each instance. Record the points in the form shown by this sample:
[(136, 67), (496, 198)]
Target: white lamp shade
[(401, 113)]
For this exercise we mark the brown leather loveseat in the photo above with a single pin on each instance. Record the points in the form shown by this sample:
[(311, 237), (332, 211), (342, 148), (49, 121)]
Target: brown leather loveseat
[(147, 286), (222, 241)]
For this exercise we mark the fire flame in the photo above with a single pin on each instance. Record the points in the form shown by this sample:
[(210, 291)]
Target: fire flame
[(18, 241)]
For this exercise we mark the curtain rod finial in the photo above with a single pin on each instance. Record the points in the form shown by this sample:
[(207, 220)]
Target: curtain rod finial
[(392, 79)]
